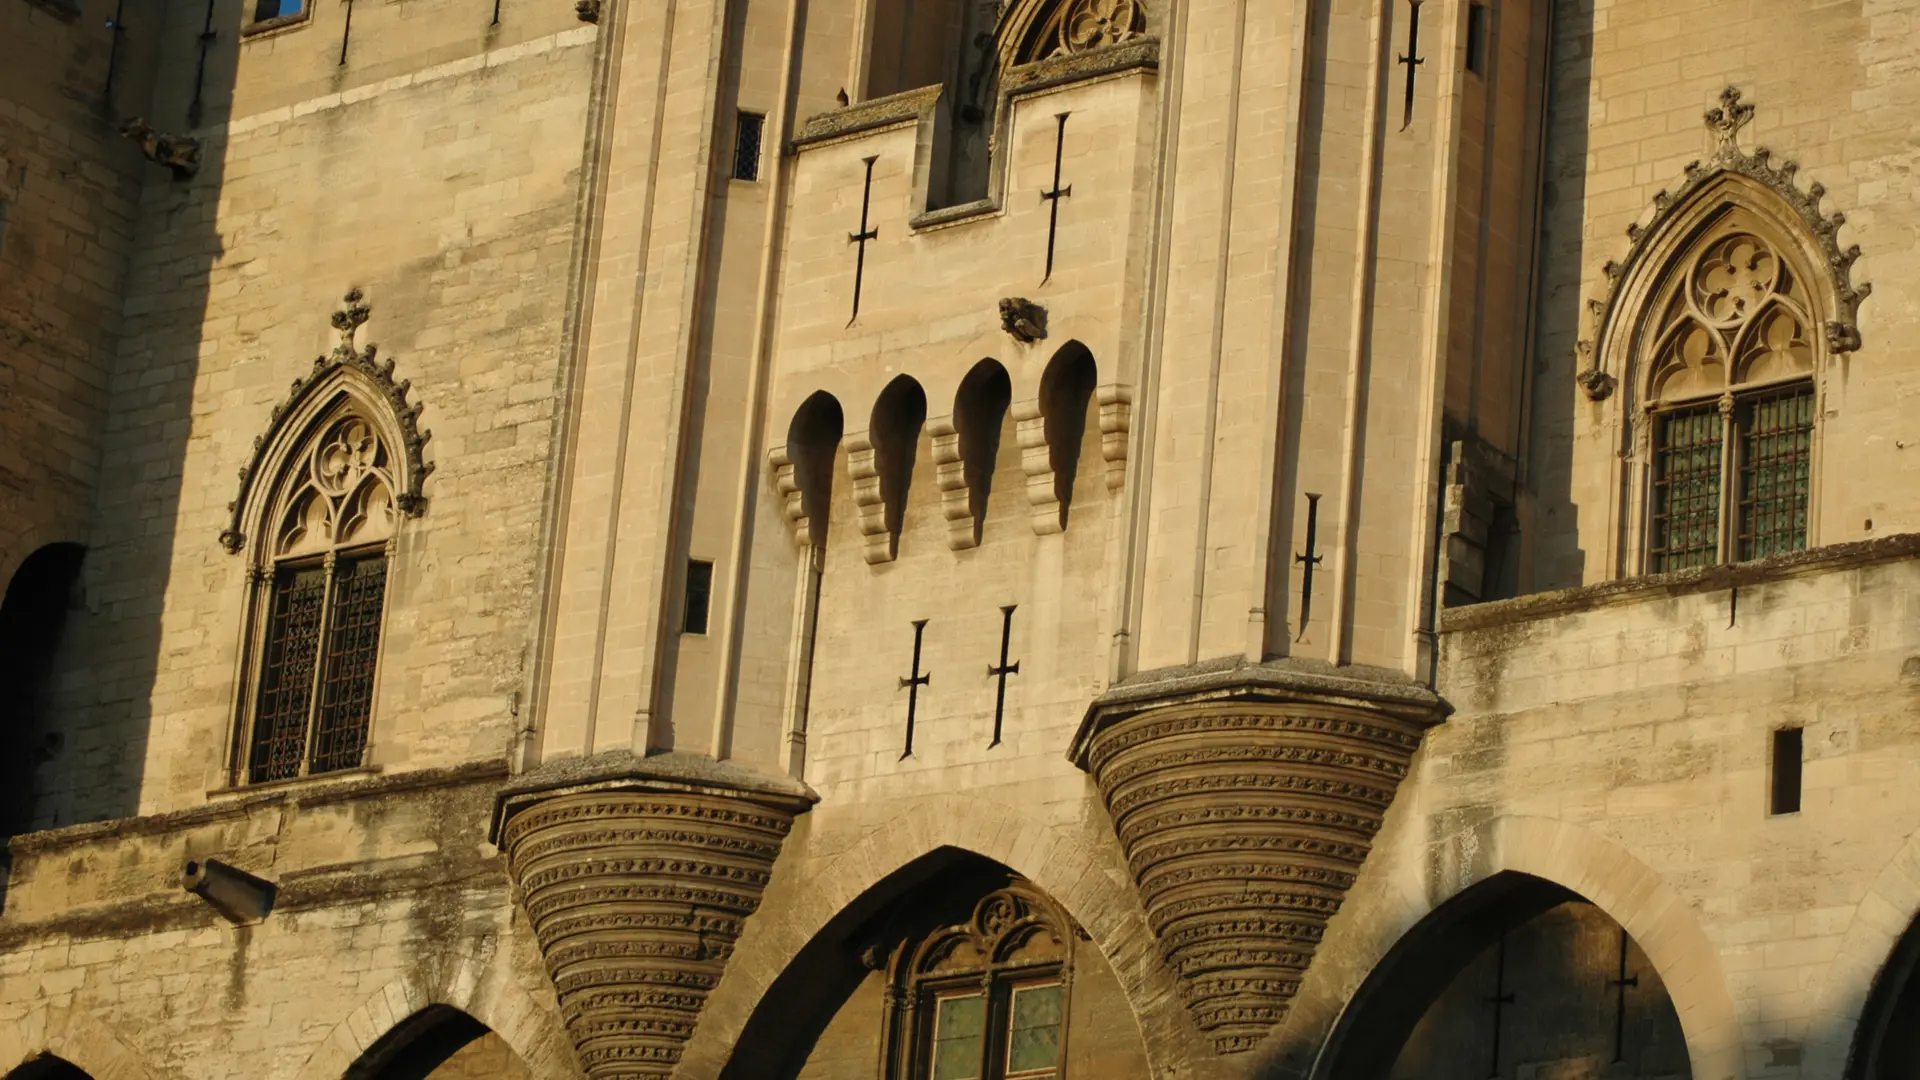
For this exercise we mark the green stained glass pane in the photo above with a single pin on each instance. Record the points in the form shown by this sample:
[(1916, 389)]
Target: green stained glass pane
[(1033, 1046), (957, 1030)]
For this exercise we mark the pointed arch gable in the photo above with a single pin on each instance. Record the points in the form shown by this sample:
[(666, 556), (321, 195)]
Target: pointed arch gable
[(1768, 198), (351, 379)]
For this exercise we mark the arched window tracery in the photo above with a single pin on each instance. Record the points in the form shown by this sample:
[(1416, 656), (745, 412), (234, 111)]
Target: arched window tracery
[(338, 470), (985, 999)]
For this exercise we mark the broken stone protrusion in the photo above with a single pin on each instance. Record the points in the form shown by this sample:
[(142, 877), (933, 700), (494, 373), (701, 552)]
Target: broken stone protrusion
[(179, 153)]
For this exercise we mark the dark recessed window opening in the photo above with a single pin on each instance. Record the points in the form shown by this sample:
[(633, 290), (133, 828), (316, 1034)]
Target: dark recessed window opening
[(1477, 38), (699, 595), (746, 145), (1787, 745), (276, 9)]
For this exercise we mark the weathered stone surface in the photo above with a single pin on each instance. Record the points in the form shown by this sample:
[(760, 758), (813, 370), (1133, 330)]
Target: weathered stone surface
[(637, 892), (1245, 822)]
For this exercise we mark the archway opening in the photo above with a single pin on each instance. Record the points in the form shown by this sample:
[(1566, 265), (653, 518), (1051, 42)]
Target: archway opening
[(1886, 1045), (439, 1043), (32, 618), (48, 1067), (952, 966), (1514, 977), (1067, 409)]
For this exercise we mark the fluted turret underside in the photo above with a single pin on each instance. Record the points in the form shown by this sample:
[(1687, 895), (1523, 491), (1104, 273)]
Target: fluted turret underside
[(1244, 824), (637, 898)]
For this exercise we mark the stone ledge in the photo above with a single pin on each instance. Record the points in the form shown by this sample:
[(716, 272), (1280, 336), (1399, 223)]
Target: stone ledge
[(1233, 677), (314, 791), (1140, 54), (1820, 560), (894, 109), (670, 772)]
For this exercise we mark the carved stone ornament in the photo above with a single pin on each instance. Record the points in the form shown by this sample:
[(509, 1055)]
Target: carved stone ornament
[(1037, 29), (350, 361), (637, 893), (179, 153), (1024, 319), (1244, 823), (1725, 123), (587, 10)]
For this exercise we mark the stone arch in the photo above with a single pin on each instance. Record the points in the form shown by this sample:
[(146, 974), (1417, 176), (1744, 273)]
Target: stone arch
[(1076, 868), (1632, 894), (881, 462), (32, 616), (1878, 950), (477, 987), (48, 1067), (803, 467), (74, 1036), (1053, 430), (966, 447)]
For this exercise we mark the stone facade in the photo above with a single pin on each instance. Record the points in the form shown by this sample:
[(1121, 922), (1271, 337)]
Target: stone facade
[(872, 540)]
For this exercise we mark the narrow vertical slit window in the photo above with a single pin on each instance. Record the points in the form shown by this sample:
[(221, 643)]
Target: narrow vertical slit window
[(1788, 747), (1686, 488), (747, 130), (1776, 452), (699, 596), (1477, 39)]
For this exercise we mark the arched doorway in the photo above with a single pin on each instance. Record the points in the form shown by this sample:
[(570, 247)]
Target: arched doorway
[(31, 620), (48, 1067), (439, 1043), (1887, 1042), (1516, 977), (952, 968)]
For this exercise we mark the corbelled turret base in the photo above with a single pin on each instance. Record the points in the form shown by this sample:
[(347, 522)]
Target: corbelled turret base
[(638, 876), (1246, 799)]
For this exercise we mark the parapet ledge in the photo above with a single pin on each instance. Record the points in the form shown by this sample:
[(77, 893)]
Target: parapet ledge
[(1234, 678), (620, 770), (1606, 594), (906, 107)]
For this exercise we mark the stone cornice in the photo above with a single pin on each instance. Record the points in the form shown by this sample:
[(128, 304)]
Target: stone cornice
[(621, 771), (1142, 53), (1547, 605), (1234, 679), (894, 109)]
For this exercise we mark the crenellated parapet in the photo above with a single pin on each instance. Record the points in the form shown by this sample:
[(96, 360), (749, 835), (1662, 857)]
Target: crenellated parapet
[(638, 876), (1246, 800)]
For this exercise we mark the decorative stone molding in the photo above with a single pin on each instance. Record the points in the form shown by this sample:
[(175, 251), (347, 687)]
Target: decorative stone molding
[(1036, 461), (1246, 800), (1116, 421), (351, 362), (906, 107), (792, 502), (1842, 333), (637, 887), (865, 473), (950, 470)]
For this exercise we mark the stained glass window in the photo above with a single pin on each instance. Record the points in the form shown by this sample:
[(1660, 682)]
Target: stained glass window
[(1033, 1038), (959, 1028)]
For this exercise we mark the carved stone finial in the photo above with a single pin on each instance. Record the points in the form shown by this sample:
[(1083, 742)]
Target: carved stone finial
[(1732, 115), (350, 319), (1024, 319), (179, 153)]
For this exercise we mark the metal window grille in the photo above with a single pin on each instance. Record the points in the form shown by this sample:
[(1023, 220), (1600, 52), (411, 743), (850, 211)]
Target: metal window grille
[(353, 644), (1776, 450), (1686, 489), (286, 680), (747, 131)]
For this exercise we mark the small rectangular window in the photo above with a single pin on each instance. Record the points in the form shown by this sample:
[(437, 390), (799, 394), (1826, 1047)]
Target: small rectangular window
[(1033, 1036), (746, 145), (1787, 748), (1686, 489), (1477, 39), (276, 9), (699, 596), (959, 1032)]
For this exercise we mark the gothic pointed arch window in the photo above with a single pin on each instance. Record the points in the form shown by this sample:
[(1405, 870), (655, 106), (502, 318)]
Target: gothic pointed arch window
[(318, 514), (1723, 321), (985, 999)]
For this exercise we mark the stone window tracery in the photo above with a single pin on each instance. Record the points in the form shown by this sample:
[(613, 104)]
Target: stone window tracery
[(319, 511), (1730, 401), (985, 999)]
